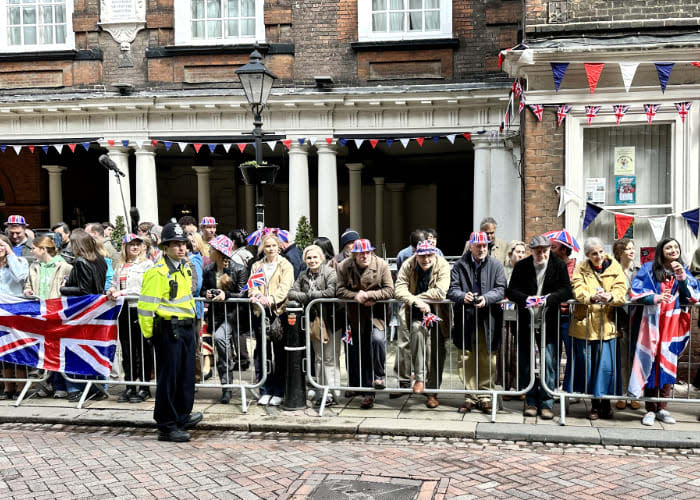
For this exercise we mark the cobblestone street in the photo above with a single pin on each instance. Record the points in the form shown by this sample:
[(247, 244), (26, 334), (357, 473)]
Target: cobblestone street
[(41, 461)]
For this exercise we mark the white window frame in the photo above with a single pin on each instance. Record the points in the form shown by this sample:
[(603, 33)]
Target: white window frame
[(183, 27), (365, 33), (5, 47)]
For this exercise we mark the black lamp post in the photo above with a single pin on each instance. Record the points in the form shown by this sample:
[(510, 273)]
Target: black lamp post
[(257, 83)]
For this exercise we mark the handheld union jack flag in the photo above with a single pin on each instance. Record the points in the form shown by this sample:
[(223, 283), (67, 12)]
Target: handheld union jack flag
[(562, 111), (429, 320), (591, 112), (347, 336), (650, 110), (683, 109), (535, 301), (257, 279), (76, 335), (620, 110), (537, 110)]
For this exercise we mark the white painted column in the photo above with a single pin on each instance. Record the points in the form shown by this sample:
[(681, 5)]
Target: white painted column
[(482, 180), (505, 193), (379, 210), (250, 208), (203, 192), (55, 193), (397, 216), (116, 207), (356, 196), (146, 185), (299, 202), (327, 220)]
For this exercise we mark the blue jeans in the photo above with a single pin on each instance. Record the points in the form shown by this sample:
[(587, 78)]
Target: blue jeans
[(537, 396), (567, 349)]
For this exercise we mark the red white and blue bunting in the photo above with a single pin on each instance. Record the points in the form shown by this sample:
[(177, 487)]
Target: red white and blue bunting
[(619, 110)]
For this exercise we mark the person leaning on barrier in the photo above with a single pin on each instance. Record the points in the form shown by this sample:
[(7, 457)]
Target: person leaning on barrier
[(347, 240), (507, 377), (224, 279), (366, 279), (477, 284), (318, 281), (599, 287), (166, 315), (541, 277), (425, 275)]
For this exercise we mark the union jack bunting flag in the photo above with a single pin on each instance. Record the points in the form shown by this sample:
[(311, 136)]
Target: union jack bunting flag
[(650, 110), (562, 111), (620, 110), (591, 112), (521, 105), (537, 110), (257, 279), (429, 320), (76, 335), (517, 88), (347, 336), (536, 301), (683, 109)]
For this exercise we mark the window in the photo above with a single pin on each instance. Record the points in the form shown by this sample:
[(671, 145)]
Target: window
[(404, 19), (212, 22), (36, 25)]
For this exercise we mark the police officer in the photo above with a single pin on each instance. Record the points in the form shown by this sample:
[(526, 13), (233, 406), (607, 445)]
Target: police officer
[(166, 314)]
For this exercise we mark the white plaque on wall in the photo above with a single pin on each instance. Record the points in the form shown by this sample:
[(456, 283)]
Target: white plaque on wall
[(123, 19)]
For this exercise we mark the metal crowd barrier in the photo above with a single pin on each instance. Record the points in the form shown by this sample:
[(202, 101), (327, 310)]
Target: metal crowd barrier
[(231, 336), (32, 376), (626, 319), (331, 375)]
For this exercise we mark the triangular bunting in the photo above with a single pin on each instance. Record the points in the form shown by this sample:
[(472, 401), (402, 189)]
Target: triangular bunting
[(86, 145), (312, 140), (420, 141), (591, 112), (329, 140), (125, 143), (342, 142), (168, 145), (537, 110), (620, 110), (628, 70), (139, 143), (72, 147), (227, 146), (3, 147), (301, 141), (650, 110), (664, 72), (696, 64), (592, 212), (389, 142), (467, 136), (565, 196), (374, 142), (255, 146), (451, 138), (593, 72), (271, 144), (18, 149), (211, 147), (404, 142), (692, 217), (558, 72), (683, 110), (358, 142), (658, 224), (154, 143), (436, 139), (287, 143), (31, 149), (241, 146), (60, 147), (46, 149), (182, 146), (110, 142), (562, 111), (622, 224), (197, 146)]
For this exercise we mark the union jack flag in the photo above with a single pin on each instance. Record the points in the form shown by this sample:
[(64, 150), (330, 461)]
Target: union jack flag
[(430, 319), (521, 105), (347, 336), (562, 111), (620, 110), (257, 279), (650, 110), (76, 335), (517, 88), (537, 110), (683, 109), (535, 301), (591, 112)]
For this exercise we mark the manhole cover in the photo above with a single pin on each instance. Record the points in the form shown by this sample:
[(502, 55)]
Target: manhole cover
[(332, 489)]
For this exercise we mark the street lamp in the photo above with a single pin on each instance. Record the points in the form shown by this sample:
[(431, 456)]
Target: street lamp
[(257, 82)]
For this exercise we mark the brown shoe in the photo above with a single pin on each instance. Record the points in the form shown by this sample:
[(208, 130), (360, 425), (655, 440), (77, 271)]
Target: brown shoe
[(466, 407), (546, 414), (485, 405), (635, 405), (432, 401), (621, 404), (530, 411), (367, 403), (593, 415), (418, 387)]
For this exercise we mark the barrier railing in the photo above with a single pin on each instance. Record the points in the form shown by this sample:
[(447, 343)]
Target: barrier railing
[(361, 366), (22, 376), (585, 355)]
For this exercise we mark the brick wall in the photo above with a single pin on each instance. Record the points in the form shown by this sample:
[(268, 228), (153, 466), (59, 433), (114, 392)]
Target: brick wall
[(20, 179), (615, 10)]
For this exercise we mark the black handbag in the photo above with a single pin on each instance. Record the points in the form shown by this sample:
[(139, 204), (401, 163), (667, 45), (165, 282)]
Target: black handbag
[(274, 329)]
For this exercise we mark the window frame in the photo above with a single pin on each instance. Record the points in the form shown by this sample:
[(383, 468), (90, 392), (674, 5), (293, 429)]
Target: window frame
[(365, 33), (5, 47), (183, 27)]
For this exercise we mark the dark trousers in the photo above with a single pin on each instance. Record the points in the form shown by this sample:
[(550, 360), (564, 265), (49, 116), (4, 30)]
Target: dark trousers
[(174, 344), (366, 357), (438, 353), (655, 392), (137, 354), (537, 396), (274, 383)]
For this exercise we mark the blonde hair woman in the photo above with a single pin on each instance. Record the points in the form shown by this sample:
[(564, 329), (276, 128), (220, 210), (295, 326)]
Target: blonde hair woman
[(47, 274)]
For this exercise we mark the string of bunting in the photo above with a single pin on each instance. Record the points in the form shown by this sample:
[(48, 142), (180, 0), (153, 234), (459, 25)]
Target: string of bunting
[(619, 110)]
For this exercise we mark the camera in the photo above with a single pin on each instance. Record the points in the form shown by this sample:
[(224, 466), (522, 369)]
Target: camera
[(476, 298), (214, 291)]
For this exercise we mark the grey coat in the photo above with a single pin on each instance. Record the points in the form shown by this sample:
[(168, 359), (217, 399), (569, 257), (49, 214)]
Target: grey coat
[(308, 287)]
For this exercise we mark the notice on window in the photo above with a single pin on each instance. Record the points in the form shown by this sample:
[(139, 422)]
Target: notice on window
[(624, 160), (595, 190), (625, 189)]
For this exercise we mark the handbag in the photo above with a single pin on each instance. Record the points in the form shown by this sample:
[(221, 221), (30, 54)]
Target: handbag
[(274, 329), (318, 331)]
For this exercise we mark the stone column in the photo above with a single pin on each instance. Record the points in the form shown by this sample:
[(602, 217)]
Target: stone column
[(356, 196), (282, 191), (379, 210), (299, 202), (146, 185), (203, 192), (55, 193), (482, 181), (505, 193), (250, 208), (116, 207), (397, 215), (327, 220)]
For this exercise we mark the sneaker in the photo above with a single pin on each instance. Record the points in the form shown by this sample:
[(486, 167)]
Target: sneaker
[(665, 417), (60, 395), (264, 400), (275, 401), (649, 418)]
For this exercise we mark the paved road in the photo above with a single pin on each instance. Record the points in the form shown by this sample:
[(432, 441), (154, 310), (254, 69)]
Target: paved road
[(41, 461)]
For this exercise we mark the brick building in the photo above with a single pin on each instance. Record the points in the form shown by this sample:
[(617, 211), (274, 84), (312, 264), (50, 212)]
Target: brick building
[(118, 74), (629, 39)]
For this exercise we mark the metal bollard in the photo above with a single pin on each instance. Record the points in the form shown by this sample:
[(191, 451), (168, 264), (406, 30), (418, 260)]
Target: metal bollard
[(295, 386)]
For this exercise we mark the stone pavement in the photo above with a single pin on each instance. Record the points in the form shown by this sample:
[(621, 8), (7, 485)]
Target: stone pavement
[(405, 416)]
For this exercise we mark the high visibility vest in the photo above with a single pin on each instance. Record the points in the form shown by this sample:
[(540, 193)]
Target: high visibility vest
[(155, 295)]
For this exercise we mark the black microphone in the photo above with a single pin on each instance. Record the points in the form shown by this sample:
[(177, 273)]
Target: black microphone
[(109, 164)]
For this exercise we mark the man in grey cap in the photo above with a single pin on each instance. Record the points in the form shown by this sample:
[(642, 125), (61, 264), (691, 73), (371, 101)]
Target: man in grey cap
[(539, 280)]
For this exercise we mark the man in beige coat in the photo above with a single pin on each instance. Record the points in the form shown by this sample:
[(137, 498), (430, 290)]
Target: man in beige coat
[(425, 276)]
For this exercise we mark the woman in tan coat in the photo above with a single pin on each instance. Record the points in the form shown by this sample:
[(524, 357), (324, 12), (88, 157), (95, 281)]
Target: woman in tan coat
[(279, 278), (600, 286)]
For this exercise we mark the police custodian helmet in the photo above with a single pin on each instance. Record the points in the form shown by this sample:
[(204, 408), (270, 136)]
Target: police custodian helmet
[(172, 232)]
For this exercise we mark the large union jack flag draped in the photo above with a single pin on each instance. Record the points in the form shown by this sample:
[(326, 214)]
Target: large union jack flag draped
[(76, 335)]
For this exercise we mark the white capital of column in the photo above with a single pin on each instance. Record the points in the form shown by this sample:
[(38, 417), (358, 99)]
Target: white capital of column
[(203, 194), (146, 185), (327, 220), (482, 180), (379, 210), (355, 196), (116, 205), (299, 202), (55, 193)]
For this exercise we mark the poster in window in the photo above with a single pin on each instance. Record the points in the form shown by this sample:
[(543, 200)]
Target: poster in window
[(625, 189), (595, 190), (624, 160)]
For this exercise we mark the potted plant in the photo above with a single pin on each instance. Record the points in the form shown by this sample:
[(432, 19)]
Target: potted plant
[(254, 173)]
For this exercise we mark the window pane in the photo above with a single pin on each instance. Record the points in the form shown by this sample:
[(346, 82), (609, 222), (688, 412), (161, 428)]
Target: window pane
[(60, 14), (46, 35), (248, 27), (213, 8), (197, 9), (14, 15), (396, 4), (60, 33), (231, 28), (415, 21), (378, 5), (14, 36), (46, 14), (213, 29), (29, 15), (30, 35), (232, 8), (415, 4), (431, 4), (13, 1), (432, 20), (378, 22), (198, 30), (248, 8), (396, 21)]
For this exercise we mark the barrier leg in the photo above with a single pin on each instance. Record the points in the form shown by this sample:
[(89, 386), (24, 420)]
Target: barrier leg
[(84, 395), (562, 409), (494, 406), (244, 406), (22, 394), (323, 401)]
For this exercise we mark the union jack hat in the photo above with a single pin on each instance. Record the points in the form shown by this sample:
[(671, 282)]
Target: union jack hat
[(478, 237), (223, 244), (362, 245), (128, 238), (208, 221), (425, 247), (16, 220)]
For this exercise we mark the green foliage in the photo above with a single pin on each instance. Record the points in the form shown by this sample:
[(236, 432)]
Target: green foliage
[(253, 163), (118, 233), (305, 233)]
